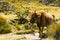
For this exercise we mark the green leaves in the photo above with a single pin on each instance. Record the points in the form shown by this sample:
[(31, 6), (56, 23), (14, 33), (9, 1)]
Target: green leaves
[(22, 20)]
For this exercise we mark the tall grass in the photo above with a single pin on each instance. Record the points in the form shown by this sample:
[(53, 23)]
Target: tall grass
[(52, 29)]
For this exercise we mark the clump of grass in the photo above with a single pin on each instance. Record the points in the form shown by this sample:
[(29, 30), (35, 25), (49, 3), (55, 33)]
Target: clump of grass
[(58, 27), (52, 29)]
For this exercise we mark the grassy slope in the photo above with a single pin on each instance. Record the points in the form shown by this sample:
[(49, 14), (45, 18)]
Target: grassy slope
[(35, 5)]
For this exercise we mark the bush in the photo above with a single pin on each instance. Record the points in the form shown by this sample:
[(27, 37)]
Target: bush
[(27, 26), (4, 26), (58, 28), (22, 20), (54, 29)]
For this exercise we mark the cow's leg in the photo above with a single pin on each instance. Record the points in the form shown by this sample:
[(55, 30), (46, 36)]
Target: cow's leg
[(41, 34), (47, 31), (44, 34), (41, 31)]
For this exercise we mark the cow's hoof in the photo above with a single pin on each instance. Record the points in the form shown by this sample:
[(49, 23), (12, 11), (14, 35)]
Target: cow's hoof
[(43, 35)]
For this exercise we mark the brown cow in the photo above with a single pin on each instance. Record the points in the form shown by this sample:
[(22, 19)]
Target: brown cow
[(42, 19)]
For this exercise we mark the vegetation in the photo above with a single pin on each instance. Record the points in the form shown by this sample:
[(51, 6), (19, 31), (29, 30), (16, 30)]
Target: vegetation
[(4, 26), (14, 16), (51, 2)]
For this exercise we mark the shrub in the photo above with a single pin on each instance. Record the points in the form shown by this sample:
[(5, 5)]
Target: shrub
[(4, 26)]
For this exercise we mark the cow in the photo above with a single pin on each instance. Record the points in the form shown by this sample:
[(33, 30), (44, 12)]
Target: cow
[(42, 19)]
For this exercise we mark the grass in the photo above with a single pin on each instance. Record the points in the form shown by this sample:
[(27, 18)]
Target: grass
[(34, 5)]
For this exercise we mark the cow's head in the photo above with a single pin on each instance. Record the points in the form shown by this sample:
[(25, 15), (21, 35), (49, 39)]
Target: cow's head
[(34, 18)]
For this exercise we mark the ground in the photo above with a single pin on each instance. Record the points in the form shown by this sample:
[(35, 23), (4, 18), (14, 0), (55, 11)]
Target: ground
[(12, 36)]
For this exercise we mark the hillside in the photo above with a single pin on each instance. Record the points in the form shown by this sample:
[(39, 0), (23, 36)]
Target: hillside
[(14, 19), (22, 5), (51, 2)]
